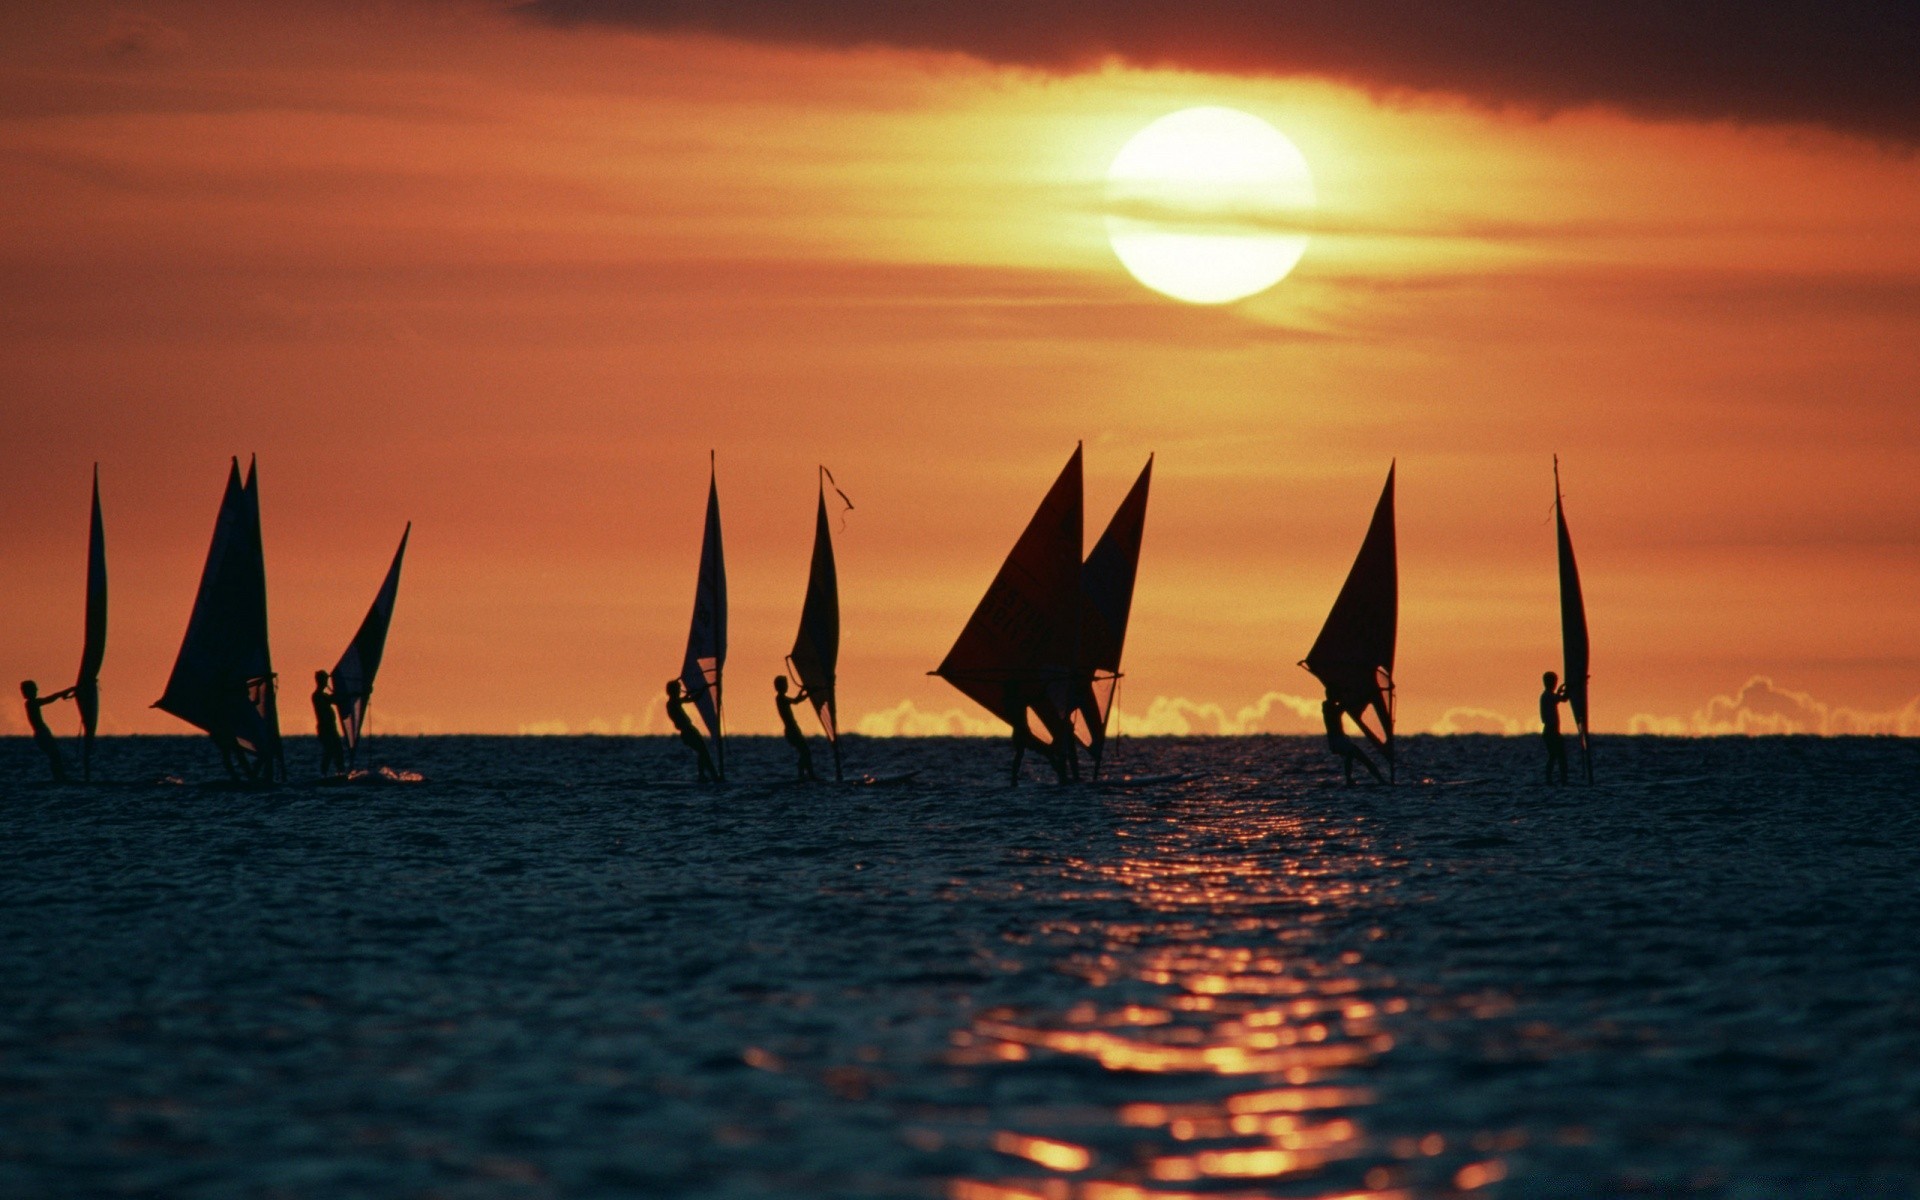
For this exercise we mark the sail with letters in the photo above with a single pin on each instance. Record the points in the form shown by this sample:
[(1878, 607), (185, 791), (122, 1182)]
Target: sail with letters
[(93, 650), (1106, 600), (706, 660), (1020, 648), (223, 679), (353, 675), (815, 656), (1353, 656), (1573, 624)]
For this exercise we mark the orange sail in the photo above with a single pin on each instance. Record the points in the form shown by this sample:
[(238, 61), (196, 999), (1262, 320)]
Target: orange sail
[(1021, 646), (1353, 656), (1106, 601)]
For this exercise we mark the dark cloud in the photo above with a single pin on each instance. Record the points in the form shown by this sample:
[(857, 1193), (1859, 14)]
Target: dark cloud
[(1845, 64)]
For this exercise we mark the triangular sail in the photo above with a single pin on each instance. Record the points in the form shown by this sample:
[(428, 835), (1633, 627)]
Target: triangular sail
[(816, 648), (1106, 600), (1021, 645), (1573, 624), (706, 660), (1353, 656), (353, 674), (222, 680), (93, 651)]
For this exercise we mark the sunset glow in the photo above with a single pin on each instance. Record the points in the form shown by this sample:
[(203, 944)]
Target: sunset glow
[(512, 280)]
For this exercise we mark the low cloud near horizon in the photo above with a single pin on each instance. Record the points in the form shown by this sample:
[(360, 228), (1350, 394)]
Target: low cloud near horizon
[(1847, 66)]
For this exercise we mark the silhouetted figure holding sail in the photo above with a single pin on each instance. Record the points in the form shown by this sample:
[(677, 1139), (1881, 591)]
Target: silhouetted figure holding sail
[(326, 723), (1063, 751), (1353, 656), (689, 736), (1551, 698), (791, 727), (42, 736), (1013, 710), (1342, 745)]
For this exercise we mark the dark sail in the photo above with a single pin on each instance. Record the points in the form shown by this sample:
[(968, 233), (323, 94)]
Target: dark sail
[(1573, 624), (1106, 601), (816, 648), (706, 660), (353, 674), (1353, 656), (222, 680), (86, 688), (1020, 647)]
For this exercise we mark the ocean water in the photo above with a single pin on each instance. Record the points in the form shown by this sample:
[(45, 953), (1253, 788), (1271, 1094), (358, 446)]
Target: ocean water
[(552, 968)]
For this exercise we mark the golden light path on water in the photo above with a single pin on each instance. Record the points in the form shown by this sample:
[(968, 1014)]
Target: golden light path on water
[(1233, 1048)]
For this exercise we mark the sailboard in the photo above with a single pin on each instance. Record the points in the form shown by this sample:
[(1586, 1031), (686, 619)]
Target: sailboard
[(1019, 651), (222, 680), (1573, 624), (1353, 656), (816, 648), (1106, 600), (93, 650), (706, 660), (353, 675)]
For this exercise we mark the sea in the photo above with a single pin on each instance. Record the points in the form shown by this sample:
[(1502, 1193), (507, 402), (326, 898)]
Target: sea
[(556, 967)]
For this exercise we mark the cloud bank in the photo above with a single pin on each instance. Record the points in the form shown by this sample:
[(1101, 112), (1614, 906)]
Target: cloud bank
[(1847, 65), (1763, 707)]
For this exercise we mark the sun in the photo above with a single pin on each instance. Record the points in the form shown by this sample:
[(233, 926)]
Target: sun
[(1206, 204)]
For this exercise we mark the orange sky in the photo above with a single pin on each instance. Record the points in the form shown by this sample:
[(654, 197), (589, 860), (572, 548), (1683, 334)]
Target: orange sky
[(511, 282)]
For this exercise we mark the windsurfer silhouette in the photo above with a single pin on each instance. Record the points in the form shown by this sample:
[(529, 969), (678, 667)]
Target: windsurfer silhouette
[(42, 736), (689, 736), (1013, 710), (791, 727), (1552, 697), (326, 724), (1341, 744)]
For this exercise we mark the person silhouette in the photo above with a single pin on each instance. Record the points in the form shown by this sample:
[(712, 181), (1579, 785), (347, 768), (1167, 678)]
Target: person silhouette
[(689, 736), (791, 727), (1063, 752), (326, 724), (1552, 696), (1341, 744), (42, 736)]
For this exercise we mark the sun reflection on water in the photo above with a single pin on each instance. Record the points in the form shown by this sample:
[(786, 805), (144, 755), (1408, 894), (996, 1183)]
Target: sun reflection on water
[(1233, 1041)]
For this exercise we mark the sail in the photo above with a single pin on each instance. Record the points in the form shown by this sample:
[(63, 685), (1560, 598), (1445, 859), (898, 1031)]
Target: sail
[(816, 648), (222, 680), (707, 638), (86, 688), (1106, 600), (1573, 623), (353, 674), (1353, 656), (1021, 645)]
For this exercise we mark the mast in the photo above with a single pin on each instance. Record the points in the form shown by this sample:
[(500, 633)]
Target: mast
[(1573, 624), (706, 658), (353, 674), (222, 680), (1020, 648), (86, 688), (1353, 656), (1106, 601), (815, 656)]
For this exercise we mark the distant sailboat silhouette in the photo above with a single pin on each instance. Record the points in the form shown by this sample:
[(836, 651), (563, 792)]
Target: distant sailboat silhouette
[(1020, 648), (1573, 624), (93, 651), (353, 675), (1106, 601), (706, 660), (223, 679), (1353, 656), (815, 655)]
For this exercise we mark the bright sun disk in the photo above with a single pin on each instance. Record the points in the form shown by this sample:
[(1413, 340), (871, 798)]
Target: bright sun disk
[(1205, 205)]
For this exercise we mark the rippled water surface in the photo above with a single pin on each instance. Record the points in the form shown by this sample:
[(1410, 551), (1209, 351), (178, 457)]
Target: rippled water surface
[(547, 969)]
